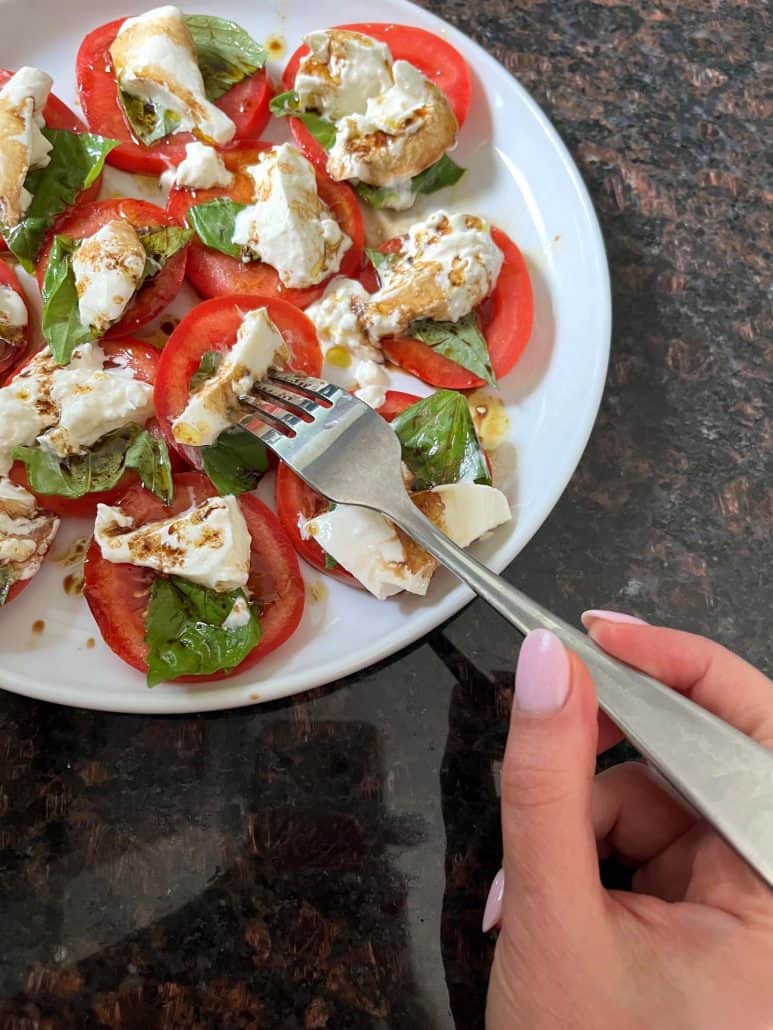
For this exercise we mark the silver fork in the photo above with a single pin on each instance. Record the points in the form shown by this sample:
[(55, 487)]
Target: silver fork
[(348, 453)]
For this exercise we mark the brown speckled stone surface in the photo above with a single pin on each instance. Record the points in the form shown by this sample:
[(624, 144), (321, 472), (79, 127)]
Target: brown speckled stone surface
[(323, 862)]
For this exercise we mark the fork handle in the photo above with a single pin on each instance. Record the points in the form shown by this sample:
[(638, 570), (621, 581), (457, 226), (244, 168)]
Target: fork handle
[(725, 775)]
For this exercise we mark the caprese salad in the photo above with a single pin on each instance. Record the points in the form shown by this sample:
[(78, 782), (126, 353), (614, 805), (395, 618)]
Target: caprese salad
[(189, 575)]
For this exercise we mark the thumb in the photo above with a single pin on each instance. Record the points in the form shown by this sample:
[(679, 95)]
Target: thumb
[(550, 858)]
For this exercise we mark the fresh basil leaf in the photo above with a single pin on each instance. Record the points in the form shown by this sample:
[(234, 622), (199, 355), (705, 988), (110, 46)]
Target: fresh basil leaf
[(102, 465), (213, 223), (235, 462), (225, 53), (7, 580), (150, 457), (61, 325), (439, 441), (323, 131), (162, 244), (75, 162), (148, 122), (462, 342), (209, 364), (184, 631), (438, 176), (330, 562), (379, 260)]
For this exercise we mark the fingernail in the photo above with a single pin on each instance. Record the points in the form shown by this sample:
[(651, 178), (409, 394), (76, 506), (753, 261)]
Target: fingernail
[(592, 614), (492, 914), (542, 673)]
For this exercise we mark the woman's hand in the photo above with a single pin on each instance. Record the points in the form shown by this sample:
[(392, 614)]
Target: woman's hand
[(692, 946)]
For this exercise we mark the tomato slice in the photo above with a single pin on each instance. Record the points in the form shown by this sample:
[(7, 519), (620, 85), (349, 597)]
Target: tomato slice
[(214, 274), (507, 317), (246, 104), (118, 594), (59, 116), (12, 354), (213, 325), (296, 500), (434, 57), (395, 403), (85, 219), (142, 359)]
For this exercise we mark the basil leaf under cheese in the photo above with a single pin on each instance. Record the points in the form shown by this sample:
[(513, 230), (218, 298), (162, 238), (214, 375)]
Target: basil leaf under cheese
[(439, 441), (185, 634), (101, 466), (225, 53), (379, 260), (462, 342), (235, 462), (160, 245), (148, 122), (7, 580), (209, 364), (441, 174), (323, 131), (214, 222), (60, 324), (75, 162)]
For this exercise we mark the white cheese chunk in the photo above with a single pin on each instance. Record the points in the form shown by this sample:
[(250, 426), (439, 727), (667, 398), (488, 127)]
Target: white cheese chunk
[(342, 71), (238, 616), (209, 544), (76, 403), (202, 168), (382, 558), (154, 58), (22, 144), (337, 317), (108, 267), (288, 226), (372, 382), (369, 547), (215, 405), (26, 531), (13, 313), (448, 264)]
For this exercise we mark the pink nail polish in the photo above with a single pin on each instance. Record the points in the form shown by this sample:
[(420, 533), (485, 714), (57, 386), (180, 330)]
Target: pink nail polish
[(492, 914), (589, 617), (542, 673)]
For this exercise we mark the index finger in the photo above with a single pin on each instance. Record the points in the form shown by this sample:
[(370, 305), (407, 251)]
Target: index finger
[(708, 673)]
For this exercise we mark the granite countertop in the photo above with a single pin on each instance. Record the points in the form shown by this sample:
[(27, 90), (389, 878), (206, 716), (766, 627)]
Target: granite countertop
[(323, 862)]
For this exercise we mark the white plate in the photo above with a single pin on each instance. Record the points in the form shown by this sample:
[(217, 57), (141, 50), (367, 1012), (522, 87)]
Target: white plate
[(522, 178)]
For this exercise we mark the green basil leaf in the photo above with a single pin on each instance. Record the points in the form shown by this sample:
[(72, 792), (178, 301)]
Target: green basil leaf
[(379, 260), (225, 53), (162, 244), (75, 162), (323, 131), (102, 465), (235, 462), (148, 122), (330, 562), (213, 223), (61, 325), (439, 441), (150, 457), (438, 176), (209, 364), (462, 342), (184, 631), (7, 580)]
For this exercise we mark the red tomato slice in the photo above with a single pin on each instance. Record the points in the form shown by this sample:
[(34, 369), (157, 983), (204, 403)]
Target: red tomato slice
[(213, 325), (246, 104), (507, 317), (118, 594), (142, 359), (84, 220), (12, 354), (59, 116), (294, 499), (434, 57), (395, 403), (214, 274)]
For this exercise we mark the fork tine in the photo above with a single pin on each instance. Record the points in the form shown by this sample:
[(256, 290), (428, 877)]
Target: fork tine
[(296, 403), (285, 424), (315, 389)]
